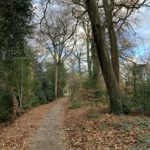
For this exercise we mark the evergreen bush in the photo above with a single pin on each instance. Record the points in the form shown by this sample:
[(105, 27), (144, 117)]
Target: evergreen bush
[(6, 105)]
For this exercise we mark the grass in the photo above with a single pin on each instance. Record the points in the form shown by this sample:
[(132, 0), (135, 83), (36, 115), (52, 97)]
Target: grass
[(139, 148), (144, 139), (92, 114), (75, 105), (143, 143), (103, 125), (125, 126)]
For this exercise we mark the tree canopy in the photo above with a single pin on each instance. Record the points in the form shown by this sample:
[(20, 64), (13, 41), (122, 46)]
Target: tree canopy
[(15, 26)]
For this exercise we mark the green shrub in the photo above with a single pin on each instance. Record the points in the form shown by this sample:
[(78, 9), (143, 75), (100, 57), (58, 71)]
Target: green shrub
[(49, 92), (5, 105), (127, 106), (75, 104), (41, 96), (141, 98), (32, 101), (45, 92)]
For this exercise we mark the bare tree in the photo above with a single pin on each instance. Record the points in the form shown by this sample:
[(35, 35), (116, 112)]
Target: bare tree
[(117, 14), (56, 35), (105, 62)]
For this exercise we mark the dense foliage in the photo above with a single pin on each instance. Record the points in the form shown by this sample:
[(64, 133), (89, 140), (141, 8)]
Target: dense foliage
[(15, 18), (137, 95), (31, 84), (22, 84)]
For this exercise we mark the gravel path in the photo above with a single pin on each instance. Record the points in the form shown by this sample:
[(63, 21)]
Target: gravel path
[(50, 135)]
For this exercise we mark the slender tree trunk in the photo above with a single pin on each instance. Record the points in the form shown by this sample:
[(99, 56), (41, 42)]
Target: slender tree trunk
[(106, 66), (96, 68), (21, 88), (88, 55), (56, 79), (86, 28), (79, 65), (56, 69), (16, 108), (59, 79), (112, 37)]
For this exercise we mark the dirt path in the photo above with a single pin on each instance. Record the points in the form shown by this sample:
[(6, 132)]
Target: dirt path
[(50, 135)]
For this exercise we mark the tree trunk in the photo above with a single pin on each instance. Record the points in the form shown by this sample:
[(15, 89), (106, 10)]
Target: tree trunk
[(21, 88), (88, 53), (59, 80), (112, 37), (56, 70), (106, 66), (96, 68), (79, 65), (56, 79), (86, 28), (16, 109)]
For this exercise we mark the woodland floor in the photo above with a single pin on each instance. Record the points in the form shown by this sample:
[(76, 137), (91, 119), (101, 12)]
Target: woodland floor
[(38, 129), (62, 126), (91, 127)]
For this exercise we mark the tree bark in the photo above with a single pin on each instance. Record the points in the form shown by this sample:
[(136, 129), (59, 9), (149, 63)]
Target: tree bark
[(56, 79), (96, 68), (86, 28), (112, 37), (59, 80), (106, 66), (16, 108), (21, 88), (56, 70), (88, 52), (79, 65)]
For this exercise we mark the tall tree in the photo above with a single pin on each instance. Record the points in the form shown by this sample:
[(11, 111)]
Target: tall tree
[(112, 36), (56, 36), (86, 27), (106, 66), (15, 18)]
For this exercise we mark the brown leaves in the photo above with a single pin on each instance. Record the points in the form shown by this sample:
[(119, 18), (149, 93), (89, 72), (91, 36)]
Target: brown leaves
[(106, 132), (16, 135)]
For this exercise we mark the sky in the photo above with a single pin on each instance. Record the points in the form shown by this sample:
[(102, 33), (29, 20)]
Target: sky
[(142, 29), (143, 32)]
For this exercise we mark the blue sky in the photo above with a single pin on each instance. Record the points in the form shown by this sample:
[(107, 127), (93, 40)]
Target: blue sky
[(143, 31)]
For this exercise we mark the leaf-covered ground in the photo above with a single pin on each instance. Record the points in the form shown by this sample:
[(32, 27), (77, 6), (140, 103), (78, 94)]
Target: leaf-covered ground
[(16, 135), (94, 129), (88, 128)]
